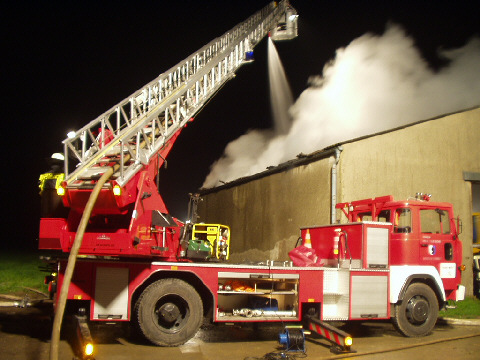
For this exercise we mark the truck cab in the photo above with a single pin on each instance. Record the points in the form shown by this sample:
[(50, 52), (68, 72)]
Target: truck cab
[(423, 233)]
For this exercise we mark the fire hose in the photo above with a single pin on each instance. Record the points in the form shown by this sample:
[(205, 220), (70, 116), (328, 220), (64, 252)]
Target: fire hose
[(77, 243), (72, 258), (260, 312)]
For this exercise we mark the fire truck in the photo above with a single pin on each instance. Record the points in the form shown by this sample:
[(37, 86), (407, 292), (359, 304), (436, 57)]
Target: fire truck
[(136, 263)]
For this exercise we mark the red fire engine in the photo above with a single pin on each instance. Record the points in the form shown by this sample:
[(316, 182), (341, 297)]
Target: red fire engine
[(396, 260), (392, 259)]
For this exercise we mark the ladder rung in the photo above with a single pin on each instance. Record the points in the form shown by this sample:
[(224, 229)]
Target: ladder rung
[(116, 151)]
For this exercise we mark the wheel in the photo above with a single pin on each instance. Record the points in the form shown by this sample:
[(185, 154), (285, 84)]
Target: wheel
[(169, 312), (417, 313)]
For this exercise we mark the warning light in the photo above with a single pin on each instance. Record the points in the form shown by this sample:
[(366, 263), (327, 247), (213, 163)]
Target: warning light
[(60, 191), (88, 349), (462, 267), (117, 190), (348, 341)]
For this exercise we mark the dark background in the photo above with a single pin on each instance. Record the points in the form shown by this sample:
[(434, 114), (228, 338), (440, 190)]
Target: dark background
[(65, 63)]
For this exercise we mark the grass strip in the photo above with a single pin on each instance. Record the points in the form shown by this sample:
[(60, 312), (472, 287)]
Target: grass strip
[(466, 309), (19, 271)]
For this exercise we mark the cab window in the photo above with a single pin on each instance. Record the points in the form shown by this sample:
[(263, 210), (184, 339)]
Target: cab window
[(383, 216), (366, 216), (402, 221), (434, 221)]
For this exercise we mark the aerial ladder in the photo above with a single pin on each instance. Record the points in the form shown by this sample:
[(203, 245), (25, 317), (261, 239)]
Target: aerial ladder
[(111, 188), (156, 113), (136, 135)]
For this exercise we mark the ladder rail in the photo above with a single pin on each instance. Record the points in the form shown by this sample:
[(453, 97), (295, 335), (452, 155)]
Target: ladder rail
[(158, 110)]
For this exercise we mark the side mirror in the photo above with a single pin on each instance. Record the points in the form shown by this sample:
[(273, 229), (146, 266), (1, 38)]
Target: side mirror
[(459, 225)]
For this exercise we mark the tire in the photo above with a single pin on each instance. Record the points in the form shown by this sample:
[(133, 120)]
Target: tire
[(169, 312), (416, 315)]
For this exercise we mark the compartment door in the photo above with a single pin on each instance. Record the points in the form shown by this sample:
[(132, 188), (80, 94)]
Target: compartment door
[(369, 297), (111, 294)]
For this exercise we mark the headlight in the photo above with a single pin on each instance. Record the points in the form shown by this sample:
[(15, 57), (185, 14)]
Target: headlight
[(60, 191), (117, 190)]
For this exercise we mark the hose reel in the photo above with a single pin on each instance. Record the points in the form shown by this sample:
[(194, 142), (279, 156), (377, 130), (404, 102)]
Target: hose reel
[(293, 338)]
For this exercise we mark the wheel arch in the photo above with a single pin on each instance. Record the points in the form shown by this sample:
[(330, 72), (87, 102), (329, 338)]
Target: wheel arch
[(401, 277), (426, 279), (208, 299)]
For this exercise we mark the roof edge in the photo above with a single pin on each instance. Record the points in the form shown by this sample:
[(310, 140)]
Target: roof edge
[(303, 159)]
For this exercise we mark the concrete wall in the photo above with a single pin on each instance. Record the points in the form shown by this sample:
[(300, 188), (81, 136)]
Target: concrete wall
[(430, 157), (265, 214)]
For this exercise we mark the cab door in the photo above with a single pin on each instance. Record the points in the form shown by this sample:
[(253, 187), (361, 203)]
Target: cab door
[(437, 242), (405, 237)]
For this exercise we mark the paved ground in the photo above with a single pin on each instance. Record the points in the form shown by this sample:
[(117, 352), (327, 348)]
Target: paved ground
[(25, 334)]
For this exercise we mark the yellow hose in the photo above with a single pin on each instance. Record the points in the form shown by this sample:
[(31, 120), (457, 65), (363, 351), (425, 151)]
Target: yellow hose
[(72, 258)]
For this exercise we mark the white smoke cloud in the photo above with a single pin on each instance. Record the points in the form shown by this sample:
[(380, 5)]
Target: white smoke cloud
[(374, 84)]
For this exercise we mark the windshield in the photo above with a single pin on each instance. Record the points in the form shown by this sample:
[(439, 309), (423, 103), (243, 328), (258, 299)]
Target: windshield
[(434, 221)]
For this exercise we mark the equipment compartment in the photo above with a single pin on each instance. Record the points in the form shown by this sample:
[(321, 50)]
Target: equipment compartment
[(257, 297)]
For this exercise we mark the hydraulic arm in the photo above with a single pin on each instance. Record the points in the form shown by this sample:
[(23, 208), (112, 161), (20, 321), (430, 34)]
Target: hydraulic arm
[(136, 135), (155, 113)]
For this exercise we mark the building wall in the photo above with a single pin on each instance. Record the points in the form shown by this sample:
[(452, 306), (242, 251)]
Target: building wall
[(265, 214), (429, 157)]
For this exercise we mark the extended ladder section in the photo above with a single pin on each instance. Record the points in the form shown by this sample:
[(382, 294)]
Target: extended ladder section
[(141, 126)]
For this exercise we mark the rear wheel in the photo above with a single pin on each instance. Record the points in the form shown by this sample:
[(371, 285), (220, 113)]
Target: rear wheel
[(169, 312), (417, 314)]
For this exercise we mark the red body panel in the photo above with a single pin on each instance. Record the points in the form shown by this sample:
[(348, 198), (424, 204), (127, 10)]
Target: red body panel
[(50, 232), (119, 225), (351, 242), (309, 282), (309, 287)]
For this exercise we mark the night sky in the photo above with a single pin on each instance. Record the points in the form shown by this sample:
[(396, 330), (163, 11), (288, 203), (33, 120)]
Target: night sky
[(65, 63)]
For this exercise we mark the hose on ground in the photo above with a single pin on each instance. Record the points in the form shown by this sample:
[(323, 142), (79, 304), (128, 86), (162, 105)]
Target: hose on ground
[(72, 258)]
